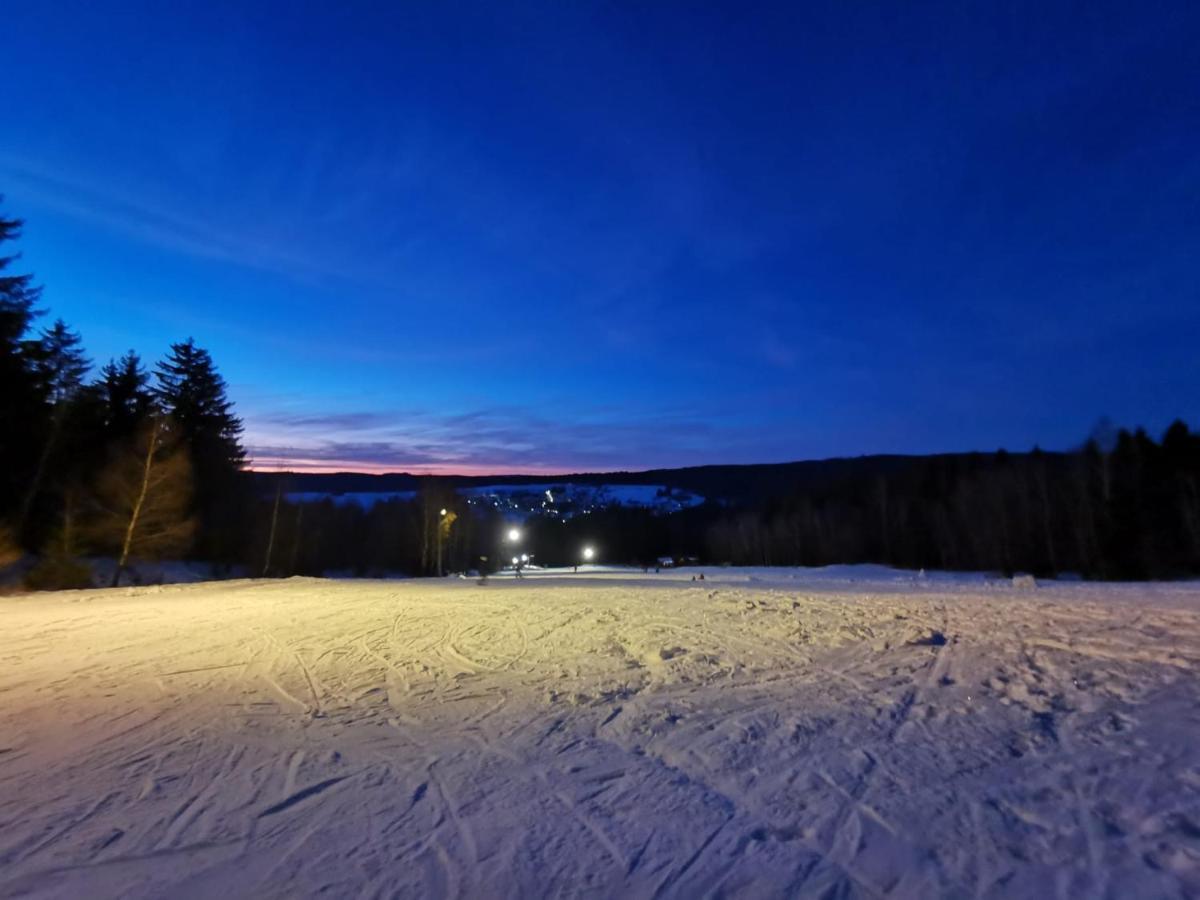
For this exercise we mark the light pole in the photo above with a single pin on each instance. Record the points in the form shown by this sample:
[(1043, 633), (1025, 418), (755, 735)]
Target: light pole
[(445, 520), (514, 538)]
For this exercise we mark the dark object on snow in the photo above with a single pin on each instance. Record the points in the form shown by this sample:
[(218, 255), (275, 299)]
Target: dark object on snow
[(935, 639)]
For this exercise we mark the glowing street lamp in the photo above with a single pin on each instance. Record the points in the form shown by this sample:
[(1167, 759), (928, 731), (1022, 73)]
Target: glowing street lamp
[(514, 537), (445, 520), (589, 553)]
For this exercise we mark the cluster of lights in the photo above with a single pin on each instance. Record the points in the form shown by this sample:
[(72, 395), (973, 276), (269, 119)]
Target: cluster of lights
[(514, 537)]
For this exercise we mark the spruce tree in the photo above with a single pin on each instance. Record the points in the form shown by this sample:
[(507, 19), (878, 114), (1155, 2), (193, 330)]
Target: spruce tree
[(57, 362), (19, 401), (193, 394), (124, 396), (18, 294), (57, 365)]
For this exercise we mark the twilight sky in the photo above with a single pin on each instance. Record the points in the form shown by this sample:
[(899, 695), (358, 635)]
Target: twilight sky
[(513, 237)]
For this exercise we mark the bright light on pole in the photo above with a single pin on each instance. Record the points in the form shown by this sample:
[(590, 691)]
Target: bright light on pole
[(588, 553), (514, 534), (445, 520)]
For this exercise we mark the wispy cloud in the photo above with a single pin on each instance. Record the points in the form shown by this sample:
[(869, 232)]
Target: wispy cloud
[(512, 440), (135, 217)]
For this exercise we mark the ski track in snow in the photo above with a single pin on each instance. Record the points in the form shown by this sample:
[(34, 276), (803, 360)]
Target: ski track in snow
[(852, 732)]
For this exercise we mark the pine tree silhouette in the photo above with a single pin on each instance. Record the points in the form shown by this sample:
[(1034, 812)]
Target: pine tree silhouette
[(193, 395)]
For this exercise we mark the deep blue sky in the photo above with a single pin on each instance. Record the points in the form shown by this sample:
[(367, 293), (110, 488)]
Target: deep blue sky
[(562, 237)]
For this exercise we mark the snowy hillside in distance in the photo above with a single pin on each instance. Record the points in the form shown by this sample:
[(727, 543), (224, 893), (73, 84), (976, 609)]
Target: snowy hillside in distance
[(559, 499), (851, 732), (365, 499)]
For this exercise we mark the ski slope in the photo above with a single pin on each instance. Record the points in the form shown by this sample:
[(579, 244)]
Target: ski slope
[(854, 732)]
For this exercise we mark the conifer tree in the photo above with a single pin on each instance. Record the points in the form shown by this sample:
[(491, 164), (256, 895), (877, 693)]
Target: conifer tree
[(124, 396), (193, 394), (190, 390), (57, 364), (18, 396)]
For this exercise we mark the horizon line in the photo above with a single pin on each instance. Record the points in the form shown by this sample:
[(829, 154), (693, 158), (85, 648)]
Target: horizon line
[(302, 467)]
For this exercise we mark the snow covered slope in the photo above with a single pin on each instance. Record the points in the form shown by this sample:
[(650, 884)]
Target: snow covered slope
[(849, 733)]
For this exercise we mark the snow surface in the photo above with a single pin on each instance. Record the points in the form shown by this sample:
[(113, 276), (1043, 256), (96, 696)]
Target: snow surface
[(851, 732)]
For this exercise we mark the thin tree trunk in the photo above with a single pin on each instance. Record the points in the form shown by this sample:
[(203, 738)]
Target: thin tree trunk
[(271, 536), (425, 534), (296, 539), (67, 545), (1048, 532), (883, 521), (136, 513), (35, 484)]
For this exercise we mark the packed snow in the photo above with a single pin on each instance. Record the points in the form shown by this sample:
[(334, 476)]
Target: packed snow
[(854, 732)]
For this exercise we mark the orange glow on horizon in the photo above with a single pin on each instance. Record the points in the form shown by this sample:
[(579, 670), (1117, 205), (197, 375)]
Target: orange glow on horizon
[(329, 467)]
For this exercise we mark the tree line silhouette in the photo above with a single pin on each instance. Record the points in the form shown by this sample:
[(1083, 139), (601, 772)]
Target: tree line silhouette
[(131, 464), (137, 464), (1125, 508)]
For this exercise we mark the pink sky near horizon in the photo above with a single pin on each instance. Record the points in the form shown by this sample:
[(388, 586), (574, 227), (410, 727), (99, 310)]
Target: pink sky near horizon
[(327, 467)]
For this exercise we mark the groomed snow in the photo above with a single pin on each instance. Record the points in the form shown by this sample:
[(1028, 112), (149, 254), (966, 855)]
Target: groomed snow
[(849, 733)]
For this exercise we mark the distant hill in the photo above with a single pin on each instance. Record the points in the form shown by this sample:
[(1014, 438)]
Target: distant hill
[(732, 483)]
